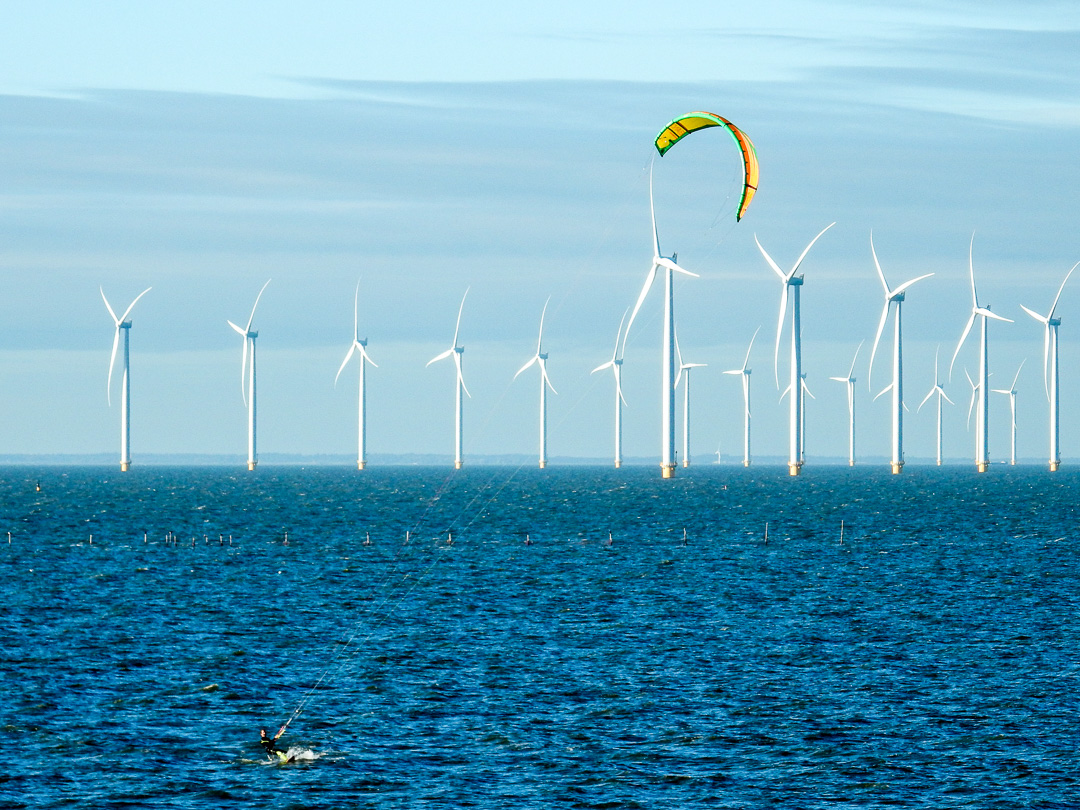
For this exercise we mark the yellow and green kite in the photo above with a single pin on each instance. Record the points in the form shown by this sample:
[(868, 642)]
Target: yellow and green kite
[(692, 122)]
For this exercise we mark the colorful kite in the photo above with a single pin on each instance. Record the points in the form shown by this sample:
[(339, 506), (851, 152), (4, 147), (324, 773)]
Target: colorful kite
[(692, 122)]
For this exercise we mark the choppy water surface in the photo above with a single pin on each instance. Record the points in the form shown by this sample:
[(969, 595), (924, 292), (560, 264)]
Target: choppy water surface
[(929, 660)]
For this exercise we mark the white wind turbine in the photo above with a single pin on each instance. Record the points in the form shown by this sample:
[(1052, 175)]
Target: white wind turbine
[(686, 400), (359, 346), (540, 358), (615, 364), (122, 324), (667, 399), (897, 385), (849, 380), (937, 389), (982, 432), (247, 375), (793, 283), (1011, 392), (744, 374), (456, 351), (1050, 370)]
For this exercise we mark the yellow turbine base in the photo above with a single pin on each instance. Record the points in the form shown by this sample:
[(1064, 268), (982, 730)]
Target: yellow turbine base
[(125, 466), (686, 462), (618, 463), (360, 464), (982, 466), (1054, 466), (794, 469), (746, 462), (851, 462), (667, 470), (897, 466), (543, 464), (251, 465), (457, 465)]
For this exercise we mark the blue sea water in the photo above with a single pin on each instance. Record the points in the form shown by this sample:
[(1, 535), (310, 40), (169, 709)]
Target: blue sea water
[(931, 659)]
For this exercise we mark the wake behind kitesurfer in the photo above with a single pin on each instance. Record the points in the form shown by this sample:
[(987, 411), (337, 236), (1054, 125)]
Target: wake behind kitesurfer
[(269, 743)]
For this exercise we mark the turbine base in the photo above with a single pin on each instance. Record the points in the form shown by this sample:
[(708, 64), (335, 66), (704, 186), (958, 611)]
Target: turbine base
[(746, 462), (618, 463), (686, 463), (360, 464), (982, 466), (1054, 466), (897, 467), (794, 469), (543, 464), (125, 466), (667, 470), (457, 465), (851, 462), (251, 466)]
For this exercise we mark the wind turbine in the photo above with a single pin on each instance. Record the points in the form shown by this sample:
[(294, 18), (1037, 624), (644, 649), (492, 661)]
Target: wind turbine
[(667, 399), (359, 346), (744, 373), (686, 400), (540, 358), (897, 385), (456, 351), (1050, 380), (937, 389), (1011, 392), (982, 432), (615, 364), (792, 283), (247, 374), (122, 324), (850, 381)]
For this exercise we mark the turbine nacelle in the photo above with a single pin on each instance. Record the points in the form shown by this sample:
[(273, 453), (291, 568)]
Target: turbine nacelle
[(121, 323)]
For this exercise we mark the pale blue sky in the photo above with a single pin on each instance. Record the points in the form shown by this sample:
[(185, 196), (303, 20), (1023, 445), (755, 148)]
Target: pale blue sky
[(202, 149)]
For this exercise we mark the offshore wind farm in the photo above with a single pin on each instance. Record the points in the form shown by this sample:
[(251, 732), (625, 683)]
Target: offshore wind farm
[(368, 584)]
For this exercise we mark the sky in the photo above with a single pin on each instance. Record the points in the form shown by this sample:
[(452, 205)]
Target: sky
[(422, 149)]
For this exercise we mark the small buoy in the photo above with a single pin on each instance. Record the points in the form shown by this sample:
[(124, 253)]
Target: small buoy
[(766, 532), (367, 538), (221, 539), (286, 538), (9, 538), (37, 486), (449, 539), (144, 538), (609, 539), (528, 542), (230, 539), (91, 539)]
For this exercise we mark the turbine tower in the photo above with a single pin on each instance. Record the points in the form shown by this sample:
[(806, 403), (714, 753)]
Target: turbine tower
[(744, 373), (359, 346), (247, 376), (615, 364), (937, 389), (897, 385), (667, 399), (792, 285), (982, 432), (540, 358), (1050, 370), (1011, 392), (124, 325), (456, 351), (686, 400), (849, 380)]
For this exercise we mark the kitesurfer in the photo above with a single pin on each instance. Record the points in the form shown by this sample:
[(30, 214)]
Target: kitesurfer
[(268, 743)]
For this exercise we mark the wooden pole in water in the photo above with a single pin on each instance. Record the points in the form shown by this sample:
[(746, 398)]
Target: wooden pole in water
[(841, 531), (766, 532)]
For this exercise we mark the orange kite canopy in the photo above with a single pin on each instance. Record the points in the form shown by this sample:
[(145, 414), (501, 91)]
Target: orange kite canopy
[(692, 122)]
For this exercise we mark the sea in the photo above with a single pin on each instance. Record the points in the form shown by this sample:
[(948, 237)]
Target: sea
[(502, 637)]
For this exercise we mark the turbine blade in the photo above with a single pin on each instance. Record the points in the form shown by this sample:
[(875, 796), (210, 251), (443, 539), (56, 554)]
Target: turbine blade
[(851, 371), (884, 390), (344, 363), (1036, 315), (257, 297), (460, 377), (640, 300), (540, 340), (963, 337), (971, 269), (907, 284), (1017, 376), (112, 362), (618, 334), (533, 360), (1060, 289), (618, 386), (608, 364), (746, 361), (131, 306), (877, 338), (678, 352), (669, 264), (806, 250), (926, 399), (779, 333), (769, 259), (806, 388), (839, 379), (363, 353), (652, 215), (106, 300), (881, 275), (439, 357), (547, 380), (942, 390), (457, 325), (988, 314), (237, 329)]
